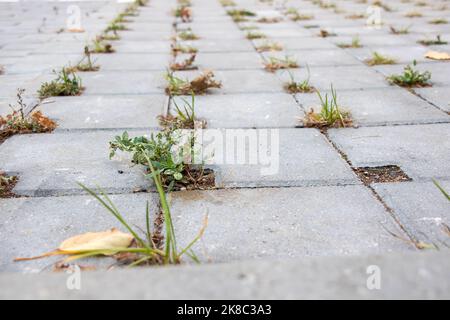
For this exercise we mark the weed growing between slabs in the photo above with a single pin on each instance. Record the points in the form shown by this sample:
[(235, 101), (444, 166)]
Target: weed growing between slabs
[(65, 84), (18, 122), (294, 86), (200, 85), (330, 115), (85, 65), (294, 15), (252, 35), (399, 30), (178, 48), (101, 46), (411, 78), (433, 42), (379, 59), (274, 64), (187, 64), (354, 44), (269, 46), (7, 184)]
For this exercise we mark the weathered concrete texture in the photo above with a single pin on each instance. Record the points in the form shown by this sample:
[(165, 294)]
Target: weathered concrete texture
[(421, 151), (123, 82), (439, 96), (284, 223), (53, 163), (97, 112), (342, 78), (299, 44), (132, 61), (217, 45), (44, 63), (246, 110), (405, 276), (422, 209), (296, 157), (33, 226), (380, 106)]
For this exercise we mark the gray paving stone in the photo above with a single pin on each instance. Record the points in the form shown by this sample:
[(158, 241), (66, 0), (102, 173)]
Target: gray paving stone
[(439, 96), (132, 62), (421, 151), (380, 106), (96, 112), (213, 45), (404, 276), (305, 158), (241, 81), (422, 209), (123, 82), (225, 61), (284, 223), (53, 163), (32, 226), (246, 111), (142, 47)]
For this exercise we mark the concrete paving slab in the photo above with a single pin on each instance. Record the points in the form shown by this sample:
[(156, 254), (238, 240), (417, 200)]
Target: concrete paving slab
[(246, 110), (225, 61), (131, 61), (101, 112), (53, 163), (404, 276), (32, 226), (304, 158), (422, 210), (439, 96), (420, 150), (284, 223), (380, 106)]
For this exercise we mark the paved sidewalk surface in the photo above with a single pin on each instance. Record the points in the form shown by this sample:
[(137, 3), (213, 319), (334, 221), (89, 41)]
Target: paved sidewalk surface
[(312, 224)]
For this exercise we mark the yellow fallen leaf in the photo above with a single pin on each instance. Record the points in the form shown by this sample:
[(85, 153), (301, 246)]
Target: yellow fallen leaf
[(106, 241), (436, 55), (96, 241)]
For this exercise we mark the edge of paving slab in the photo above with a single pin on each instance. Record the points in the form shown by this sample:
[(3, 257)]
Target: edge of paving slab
[(421, 275)]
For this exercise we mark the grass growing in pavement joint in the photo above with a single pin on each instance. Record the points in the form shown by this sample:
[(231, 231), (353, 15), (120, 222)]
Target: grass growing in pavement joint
[(85, 65), (269, 20), (413, 14), (433, 42), (109, 36), (355, 16), (294, 15), (178, 48), (65, 84), (381, 4), (18, 122), (200, 85), (438, 21), (147, 250), (187, 34), (248, 28), (184, 12), (2, 69), (187, 64), (184, 117), (269, 46), (251, 35), (115, 26), (274, 63), (141, 3), (298, 87), (330, 114), (227, 3), (411, 77), (240, 15), (379, 59), (100, 46), (6, 185), (354, 44), (399, 30), (325, 34)]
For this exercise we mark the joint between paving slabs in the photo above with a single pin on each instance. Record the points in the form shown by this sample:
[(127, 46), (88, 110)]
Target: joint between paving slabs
[(390, 210)]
